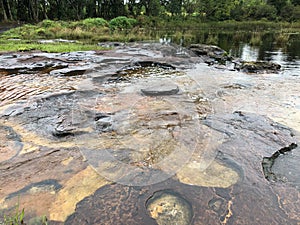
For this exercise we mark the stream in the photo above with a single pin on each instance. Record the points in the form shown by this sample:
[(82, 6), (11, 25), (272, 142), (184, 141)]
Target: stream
[(148, 133)]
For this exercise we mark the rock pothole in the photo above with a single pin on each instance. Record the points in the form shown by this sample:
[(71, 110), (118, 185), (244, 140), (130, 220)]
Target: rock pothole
[(169, 208)]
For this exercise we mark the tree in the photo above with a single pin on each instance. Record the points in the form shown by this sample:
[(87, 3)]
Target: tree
[(109, 9), (278, 4), (295, 2), (174, 7), (190, 6), (3, 11), (217, 9), (131, 6)]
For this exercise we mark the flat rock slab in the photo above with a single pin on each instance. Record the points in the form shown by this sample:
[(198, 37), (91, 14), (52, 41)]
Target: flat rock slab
[(160, 89), (247, 139), (43, 160)]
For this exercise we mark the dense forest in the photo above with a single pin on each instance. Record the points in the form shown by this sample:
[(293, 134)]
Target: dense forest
[(206, 10)]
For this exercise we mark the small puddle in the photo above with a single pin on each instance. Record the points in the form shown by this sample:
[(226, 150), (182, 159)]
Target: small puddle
[(169, 208)]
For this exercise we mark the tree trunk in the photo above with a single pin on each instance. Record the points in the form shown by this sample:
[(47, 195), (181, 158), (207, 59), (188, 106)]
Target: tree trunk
[(4, 12), (43, 5)]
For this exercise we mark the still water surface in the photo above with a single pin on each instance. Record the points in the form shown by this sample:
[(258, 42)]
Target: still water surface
[(275, 46)]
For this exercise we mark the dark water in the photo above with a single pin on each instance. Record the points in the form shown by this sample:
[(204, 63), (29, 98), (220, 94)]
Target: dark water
[(275, 46), (284, 50)]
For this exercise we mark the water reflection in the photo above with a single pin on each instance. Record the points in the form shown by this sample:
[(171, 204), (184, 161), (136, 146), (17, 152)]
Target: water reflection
[(275, 46)]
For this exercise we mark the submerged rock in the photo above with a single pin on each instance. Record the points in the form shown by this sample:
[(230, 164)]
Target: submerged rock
[(258, 67), (169, 208)]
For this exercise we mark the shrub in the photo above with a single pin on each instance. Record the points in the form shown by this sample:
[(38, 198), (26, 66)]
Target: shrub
[(122, 22), (48, 23), (41, 32), (95, 22)]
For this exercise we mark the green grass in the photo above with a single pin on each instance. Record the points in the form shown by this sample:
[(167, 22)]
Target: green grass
[(17, 218), (14, 45)]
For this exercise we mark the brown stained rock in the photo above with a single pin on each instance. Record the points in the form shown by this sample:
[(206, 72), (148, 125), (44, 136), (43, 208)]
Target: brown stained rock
[(27, 177), (81, 185), (247, 136), (288, 200), (7, 151), (120, 204), (249, 139), (35, 203), (215, 175)]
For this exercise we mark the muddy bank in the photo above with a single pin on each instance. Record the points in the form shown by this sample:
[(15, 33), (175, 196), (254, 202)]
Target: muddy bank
[(143, 134)]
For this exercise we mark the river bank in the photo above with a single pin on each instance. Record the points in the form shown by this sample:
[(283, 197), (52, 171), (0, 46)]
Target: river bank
[(86, 34)]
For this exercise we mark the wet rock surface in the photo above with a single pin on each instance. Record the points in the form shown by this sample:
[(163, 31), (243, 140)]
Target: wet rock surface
[(132, 136), (211, 53), (281, 166), (22, 64)]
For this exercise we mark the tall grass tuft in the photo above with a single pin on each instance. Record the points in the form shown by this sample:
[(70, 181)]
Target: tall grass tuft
[(256, 39)]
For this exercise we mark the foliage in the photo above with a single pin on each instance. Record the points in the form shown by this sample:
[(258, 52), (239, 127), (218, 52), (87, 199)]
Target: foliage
[(95, 22), (122, 22), (49, 23), (291, 13), (208, 10), (263, 12)]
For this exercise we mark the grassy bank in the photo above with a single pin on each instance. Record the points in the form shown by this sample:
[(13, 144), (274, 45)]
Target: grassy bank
[(90, 31), (55, 47)]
